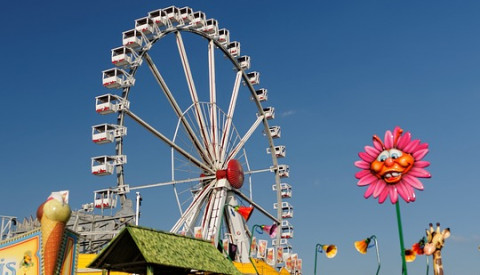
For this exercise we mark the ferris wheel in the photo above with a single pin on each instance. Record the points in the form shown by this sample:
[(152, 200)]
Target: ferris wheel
[(173, 79)]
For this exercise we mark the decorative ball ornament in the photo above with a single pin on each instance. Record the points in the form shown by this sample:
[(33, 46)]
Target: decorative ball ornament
[(234, 174), (392, 167)]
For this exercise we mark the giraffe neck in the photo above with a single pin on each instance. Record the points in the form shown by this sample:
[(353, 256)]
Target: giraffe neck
[(437, 262)]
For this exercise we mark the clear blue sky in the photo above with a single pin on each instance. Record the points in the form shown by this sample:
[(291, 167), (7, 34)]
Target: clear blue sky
[(337, 73)]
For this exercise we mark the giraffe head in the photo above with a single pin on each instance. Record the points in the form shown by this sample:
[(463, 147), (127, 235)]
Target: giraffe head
[(435, 239)]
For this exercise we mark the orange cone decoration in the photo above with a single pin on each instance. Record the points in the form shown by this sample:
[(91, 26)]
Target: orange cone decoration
[(362, 245), (53, 215), (245, 211), (330, 250), (410, 255)]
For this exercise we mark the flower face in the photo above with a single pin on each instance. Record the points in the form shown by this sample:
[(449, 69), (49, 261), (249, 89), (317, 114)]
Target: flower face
[(391, 168), (391, 164)]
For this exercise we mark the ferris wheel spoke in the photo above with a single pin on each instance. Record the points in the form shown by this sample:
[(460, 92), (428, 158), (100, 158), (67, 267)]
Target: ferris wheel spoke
[(173, 182), (250, 172), (213, 100), (190, 215), (231, 111), (243, 196), (190, 132), (244, 139), (193, 93), (169, 142)]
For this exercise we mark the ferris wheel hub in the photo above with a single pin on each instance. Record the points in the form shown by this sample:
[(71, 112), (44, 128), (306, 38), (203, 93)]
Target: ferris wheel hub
[(234, 174)]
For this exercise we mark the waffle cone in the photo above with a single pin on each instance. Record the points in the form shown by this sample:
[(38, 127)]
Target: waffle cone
[(52, 235)]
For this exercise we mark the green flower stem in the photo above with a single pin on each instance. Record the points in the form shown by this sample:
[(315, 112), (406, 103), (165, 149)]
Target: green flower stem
[(317, 246), (250, 249), (378, 254), (400, 234)]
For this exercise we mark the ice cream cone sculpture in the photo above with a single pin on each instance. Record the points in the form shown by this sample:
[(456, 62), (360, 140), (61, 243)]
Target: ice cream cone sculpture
[(53, 215)]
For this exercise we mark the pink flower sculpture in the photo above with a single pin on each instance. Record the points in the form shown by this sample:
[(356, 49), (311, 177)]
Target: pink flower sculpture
[(392, 167)]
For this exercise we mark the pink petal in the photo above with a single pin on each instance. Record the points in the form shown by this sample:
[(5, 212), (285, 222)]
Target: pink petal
[(404, 140), (393, 194), (403, 191), (362, 164), (369, 190), (419, 173), (411, 146), (368, 179), (413, 197), (377, 145), (419, 154), (383, 196), (421, 164), (388, 139), (413, 181), (379, 188), (412, 192), (372, 151), (363, 173), (422, 146), (366, 157)]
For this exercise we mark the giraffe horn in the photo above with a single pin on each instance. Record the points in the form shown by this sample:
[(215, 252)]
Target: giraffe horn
[(446, 233)]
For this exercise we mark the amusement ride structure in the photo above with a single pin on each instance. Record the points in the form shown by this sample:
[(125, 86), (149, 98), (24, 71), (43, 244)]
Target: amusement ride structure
[(208, 116)]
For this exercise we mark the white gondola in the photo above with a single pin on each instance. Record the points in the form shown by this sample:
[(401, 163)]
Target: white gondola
[(283, 170), (262, 94), (287, 209), (283, 242), (107, 133), (105, 199), (108, 103), (159, 18), (253, 78), (287, 251), (124, 56), (244, 62), (285, 190), (144, 25), (269, 112), (223, 37), (280, 151), (173, 14), (275, 131), (211, 27), (88, 207), (199, 20), (186, 13), (286, 230), (234, 48), (121, 56), (133, 39), (104, 165), (117, 78)]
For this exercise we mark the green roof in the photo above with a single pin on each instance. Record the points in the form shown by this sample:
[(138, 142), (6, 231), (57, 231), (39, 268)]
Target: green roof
[(135, 248)]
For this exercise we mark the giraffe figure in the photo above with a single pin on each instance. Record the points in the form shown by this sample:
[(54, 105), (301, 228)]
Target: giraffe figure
[(434, 245)]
